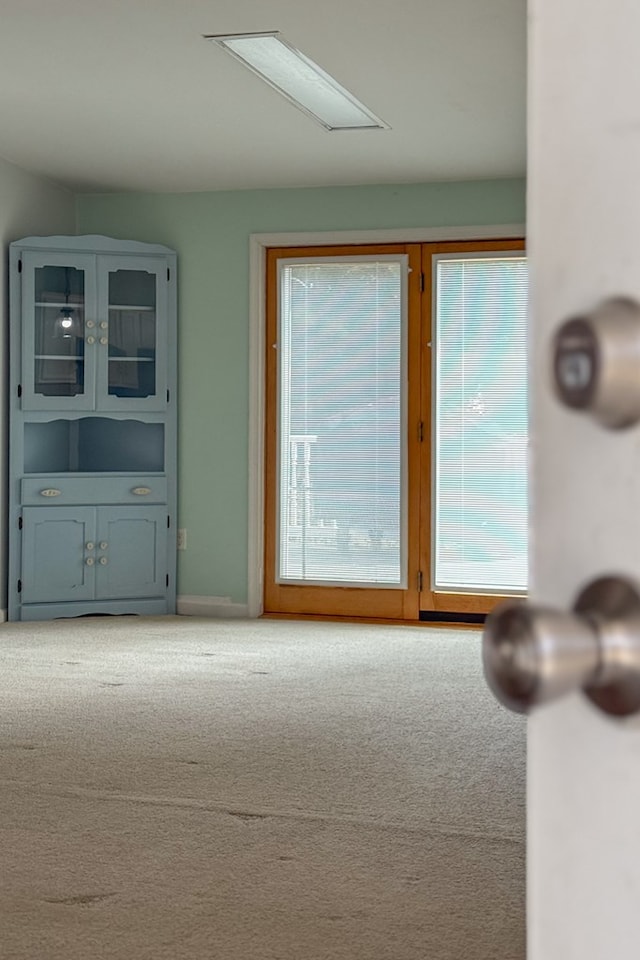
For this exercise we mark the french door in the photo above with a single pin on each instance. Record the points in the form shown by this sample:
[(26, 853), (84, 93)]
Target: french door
[(395, 430)]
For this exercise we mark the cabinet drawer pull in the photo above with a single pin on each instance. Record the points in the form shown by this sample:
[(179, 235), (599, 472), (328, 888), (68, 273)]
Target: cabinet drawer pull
[(103, 561), (91, 339), (141, 491), (104, 341), (50, 492), (89, 561)]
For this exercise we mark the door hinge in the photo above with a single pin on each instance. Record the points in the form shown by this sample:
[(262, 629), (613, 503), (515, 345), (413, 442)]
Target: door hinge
[(168, 273), (168, 520), (19, 266), (420, 580), (168, 396), (19, 389), (19, 586), (167, 579), (420, 431), (422, 283), (19, 523)]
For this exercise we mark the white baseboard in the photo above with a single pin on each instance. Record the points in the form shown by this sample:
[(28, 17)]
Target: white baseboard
[(3, 616), (221, 607)]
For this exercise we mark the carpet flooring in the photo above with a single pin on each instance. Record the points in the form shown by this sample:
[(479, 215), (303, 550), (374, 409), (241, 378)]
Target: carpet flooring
[(255, 790)]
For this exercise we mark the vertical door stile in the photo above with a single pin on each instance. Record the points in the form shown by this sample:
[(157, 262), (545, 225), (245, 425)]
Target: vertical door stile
[(583, 791), (413, 441), (426, 417)]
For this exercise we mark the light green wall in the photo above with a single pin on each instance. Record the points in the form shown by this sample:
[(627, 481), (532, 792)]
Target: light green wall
[(29, 206), (210, 231)]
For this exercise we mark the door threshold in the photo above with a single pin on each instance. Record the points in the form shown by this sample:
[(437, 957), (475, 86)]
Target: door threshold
[(440, 617), (430, 619)]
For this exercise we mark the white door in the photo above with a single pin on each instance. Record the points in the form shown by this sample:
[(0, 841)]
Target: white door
[(584, 245)]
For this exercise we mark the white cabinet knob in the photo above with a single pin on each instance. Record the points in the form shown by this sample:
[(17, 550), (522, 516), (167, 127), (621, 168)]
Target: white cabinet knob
[(90, 545), (103, 544), (90, 324), (103, 341), (91, 339), (50, 492), (104, 325), (141, 491), (89, 561), (103, 561)]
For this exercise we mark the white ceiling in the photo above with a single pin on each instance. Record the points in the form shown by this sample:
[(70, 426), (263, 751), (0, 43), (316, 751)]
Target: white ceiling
[(103, 95)]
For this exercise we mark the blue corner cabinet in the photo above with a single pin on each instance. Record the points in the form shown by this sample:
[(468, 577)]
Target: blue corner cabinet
[(92, 461)]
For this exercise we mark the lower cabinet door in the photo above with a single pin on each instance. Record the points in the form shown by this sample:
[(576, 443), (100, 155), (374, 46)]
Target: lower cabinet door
[(131, 552), (58, 554)]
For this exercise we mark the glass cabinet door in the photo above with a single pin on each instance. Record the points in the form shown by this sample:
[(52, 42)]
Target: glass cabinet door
[(132, 334), (57, 321)]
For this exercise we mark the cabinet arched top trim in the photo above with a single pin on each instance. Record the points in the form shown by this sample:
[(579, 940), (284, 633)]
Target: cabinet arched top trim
[(94, 243)]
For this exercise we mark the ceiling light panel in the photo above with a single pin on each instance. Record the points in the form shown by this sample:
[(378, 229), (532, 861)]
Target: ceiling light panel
[(300, 80)]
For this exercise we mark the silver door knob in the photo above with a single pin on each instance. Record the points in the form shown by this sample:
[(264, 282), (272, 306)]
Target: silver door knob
[(532, 655), (596, 362)]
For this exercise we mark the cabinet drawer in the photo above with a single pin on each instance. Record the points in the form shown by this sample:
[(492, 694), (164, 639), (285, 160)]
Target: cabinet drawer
[(66, 490)]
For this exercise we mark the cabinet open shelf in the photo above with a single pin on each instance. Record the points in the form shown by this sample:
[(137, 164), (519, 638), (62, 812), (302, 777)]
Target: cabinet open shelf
[(87, 474), (133, 307), (60, 356), (58, 304), (93, 445)]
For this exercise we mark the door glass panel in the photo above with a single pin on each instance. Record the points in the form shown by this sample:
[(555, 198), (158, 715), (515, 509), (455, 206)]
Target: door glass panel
[(59, 331), (132, 333), (480, 486), (340, 425)]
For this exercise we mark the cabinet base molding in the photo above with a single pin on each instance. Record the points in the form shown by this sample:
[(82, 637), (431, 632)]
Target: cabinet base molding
[(220, 607), (54, 611)]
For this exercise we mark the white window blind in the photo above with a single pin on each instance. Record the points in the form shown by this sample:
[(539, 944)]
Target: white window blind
[(340, 426), (480, 476)]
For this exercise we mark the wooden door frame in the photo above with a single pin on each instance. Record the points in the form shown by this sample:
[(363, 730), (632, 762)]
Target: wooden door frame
[(258, 246), (436, 601), (364, 600)]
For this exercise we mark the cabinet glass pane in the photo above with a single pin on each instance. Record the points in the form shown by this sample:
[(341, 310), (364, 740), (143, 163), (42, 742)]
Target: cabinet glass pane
[(59, 331), (132, 333)]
